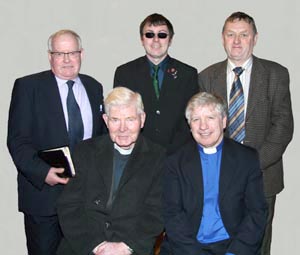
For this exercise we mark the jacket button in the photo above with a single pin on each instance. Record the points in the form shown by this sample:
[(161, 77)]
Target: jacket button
[(97, 201), (157, 112), (107, 224)]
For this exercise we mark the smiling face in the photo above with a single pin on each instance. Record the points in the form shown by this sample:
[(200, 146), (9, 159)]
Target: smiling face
[(156, 48), (207, 125), (65, 66), (124, 124), (239, 40)]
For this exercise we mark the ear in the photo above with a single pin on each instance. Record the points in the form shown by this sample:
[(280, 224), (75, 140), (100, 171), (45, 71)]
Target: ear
[(143, 119), (105, 118), (255, 38), (49, 56), (224, 122), (82, 53)]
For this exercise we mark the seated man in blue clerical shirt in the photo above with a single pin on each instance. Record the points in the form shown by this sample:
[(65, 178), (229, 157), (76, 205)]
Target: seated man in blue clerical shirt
[(213, 200)]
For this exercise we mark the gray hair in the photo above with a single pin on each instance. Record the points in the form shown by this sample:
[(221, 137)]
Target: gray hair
[(63, 32), (205, 99), (123, 96)]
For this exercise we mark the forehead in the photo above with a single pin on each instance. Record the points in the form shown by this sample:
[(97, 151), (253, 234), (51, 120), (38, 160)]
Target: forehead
[(123, 111), (151, 27), (64, 40), (208, 109), (238, 25)]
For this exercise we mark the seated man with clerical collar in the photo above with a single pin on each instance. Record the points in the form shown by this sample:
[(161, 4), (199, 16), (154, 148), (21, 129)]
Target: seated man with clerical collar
[(213, 200), (113, 205)]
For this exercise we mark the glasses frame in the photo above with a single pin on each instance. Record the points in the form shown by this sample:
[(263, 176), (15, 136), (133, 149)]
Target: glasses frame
[(160, 35), (61, 55)]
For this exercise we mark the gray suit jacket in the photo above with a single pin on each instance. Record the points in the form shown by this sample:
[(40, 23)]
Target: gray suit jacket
[(269, 119), (135, 215)]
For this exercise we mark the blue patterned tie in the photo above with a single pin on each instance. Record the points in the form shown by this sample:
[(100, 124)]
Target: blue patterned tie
[(75, 120), (236, 124), (155, 80)]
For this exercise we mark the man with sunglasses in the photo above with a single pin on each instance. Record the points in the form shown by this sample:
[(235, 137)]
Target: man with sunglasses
[(165, 91), (39, 119)]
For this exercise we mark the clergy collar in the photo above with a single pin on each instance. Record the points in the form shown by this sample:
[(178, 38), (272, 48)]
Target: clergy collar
[(211, 150), (123, 151)]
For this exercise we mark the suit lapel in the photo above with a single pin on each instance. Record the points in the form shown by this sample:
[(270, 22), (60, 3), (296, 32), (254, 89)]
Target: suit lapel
[(219, 86), (193, 169), (228, 169), (104, 162), (257, 84)]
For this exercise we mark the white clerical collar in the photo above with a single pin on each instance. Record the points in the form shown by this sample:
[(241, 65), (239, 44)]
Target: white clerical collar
[(211, 150), (123, 151)]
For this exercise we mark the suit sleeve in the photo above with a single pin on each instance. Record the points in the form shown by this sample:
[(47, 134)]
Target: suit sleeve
[(19, 140), (281, 123), (119, 78), (177, 221), (248, 234), (81, 232)]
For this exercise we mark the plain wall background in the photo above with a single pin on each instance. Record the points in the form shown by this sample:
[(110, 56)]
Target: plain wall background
[(109, 31)]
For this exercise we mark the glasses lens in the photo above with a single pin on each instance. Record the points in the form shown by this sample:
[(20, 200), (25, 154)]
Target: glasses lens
[(149, 35), (162, 35)]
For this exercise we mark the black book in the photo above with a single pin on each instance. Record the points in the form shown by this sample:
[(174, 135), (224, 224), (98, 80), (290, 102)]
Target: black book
[(60, 158)]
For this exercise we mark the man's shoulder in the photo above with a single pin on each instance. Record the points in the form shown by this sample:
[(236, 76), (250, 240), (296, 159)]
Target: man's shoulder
[(212, 69), (239, 150), (181, 65), (88, 78), (37, 76), (133, 63), (268, 64)]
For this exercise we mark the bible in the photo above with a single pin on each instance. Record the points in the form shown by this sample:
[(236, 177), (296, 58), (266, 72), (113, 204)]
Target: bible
[(60, 158)]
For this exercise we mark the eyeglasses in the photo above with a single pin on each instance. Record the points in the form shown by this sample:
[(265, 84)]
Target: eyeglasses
[(61, 55), (160, 35)]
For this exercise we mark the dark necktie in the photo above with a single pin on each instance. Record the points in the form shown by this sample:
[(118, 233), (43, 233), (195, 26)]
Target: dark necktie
[(236, 124), (75, 121), (155, 80)]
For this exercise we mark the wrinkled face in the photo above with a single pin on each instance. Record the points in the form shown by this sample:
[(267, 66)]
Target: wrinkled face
[(238, 41), (207, 126), (124, 125), (156, 48), (65, 66)]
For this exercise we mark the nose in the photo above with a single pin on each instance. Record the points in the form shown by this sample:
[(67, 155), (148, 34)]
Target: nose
[(123, 126), (236, 39), (203, 125), (66, 57)]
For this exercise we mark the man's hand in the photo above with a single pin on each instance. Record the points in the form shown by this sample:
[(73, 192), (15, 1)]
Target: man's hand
[(111, 248), (52, 178)]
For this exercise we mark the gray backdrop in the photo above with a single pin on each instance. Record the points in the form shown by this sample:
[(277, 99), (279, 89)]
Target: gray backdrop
[(109, 30)]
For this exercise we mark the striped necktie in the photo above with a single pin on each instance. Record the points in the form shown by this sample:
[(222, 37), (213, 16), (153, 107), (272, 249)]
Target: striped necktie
[(236, 124), (155, 80), (75, 124)]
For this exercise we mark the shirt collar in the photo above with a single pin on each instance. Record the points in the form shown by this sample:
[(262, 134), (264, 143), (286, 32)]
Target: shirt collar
[(246, 65)]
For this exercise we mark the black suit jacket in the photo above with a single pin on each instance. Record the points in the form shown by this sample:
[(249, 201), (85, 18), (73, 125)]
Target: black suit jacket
[(269, 119), (135, 215), (165, 121), (36, 122), (241, 199)]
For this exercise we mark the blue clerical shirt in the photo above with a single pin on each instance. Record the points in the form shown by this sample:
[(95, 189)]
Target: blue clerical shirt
[(211, 228)]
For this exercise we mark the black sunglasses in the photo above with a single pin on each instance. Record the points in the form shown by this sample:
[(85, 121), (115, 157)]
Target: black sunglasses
[(160, 35)]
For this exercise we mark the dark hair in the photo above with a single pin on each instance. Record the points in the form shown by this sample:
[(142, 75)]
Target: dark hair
[(241, 16), (156, 19)]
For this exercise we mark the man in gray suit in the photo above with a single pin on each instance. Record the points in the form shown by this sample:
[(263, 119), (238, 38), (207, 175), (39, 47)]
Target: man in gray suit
[(113, 205), (267, 113)]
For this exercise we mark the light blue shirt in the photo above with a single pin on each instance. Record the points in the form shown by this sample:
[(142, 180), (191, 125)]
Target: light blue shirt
[(83, 102), (211, 228)]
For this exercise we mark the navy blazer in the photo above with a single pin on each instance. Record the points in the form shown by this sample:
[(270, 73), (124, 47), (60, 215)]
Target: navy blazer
[(36, 122), (165, 118), (241, 199)]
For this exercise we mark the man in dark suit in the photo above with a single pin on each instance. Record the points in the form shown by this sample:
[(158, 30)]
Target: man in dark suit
[(39, 119), (113, 206), (268, 119), (213, 200), (165, 92)]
